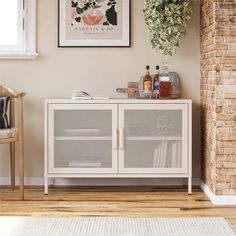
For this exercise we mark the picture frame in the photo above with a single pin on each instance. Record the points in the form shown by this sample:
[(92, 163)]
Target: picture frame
[(94, 23)]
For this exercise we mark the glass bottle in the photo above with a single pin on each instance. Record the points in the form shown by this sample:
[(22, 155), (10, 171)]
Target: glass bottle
[(155, 83), (165, 89), (174, 78), (147, 83)]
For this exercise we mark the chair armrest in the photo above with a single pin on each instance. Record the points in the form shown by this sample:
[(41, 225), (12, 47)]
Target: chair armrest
[(19, 94), (4, 91)]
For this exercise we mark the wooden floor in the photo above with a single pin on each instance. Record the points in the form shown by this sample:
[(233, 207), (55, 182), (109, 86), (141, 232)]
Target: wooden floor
[(112, 201)]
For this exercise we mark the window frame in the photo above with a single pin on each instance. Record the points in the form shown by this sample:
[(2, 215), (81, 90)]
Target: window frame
[(26, 47)]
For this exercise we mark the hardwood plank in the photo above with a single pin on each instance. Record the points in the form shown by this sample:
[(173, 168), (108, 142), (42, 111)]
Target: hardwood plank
[(112, 201)]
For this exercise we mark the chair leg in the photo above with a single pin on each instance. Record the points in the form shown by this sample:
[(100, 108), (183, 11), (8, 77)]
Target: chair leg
[(21, 159), (12, 163)]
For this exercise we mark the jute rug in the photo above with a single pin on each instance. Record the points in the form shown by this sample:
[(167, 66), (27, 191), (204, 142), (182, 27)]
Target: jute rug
[(45, 226)]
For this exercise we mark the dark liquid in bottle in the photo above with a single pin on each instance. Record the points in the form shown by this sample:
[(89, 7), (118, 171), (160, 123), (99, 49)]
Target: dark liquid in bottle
[(165, 89)]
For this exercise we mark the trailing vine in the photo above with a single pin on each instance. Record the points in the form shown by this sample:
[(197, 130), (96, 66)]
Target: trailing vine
[(166, 22)]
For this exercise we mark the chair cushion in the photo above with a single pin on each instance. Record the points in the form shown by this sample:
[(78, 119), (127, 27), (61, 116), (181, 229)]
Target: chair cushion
[(3, 112), (8, 133)]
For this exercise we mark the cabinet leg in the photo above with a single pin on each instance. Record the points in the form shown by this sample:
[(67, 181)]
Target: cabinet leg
[(46, 185), (52, 182), (189, 185)]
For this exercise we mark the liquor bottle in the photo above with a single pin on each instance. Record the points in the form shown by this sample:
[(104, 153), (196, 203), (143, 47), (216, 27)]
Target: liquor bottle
[(155, 83), (147, 83), (165, 89)]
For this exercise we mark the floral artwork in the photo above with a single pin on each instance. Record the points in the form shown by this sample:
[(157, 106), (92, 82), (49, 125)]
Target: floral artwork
[(94, 23), (94, 12)]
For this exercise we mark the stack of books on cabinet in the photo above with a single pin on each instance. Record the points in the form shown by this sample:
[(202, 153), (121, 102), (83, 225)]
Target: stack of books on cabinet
[(167, 158), (86, 162)]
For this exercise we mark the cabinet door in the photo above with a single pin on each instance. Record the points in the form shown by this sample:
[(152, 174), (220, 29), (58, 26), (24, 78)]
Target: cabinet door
[(153, 138), (82, 138)]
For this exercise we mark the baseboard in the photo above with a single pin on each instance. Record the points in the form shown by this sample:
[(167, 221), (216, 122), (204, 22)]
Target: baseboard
[(218, 200), (5, 181), (32, 181)]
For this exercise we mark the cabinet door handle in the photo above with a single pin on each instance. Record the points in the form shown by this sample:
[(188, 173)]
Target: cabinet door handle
[(114, 139), (122, 138)]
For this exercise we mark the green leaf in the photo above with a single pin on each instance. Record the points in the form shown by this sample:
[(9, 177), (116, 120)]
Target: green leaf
[(106, 23), (78, 19), (74, 4), (79, 10)]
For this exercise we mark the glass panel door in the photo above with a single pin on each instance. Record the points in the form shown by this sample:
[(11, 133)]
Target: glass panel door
[(83, 137), (153, 138)]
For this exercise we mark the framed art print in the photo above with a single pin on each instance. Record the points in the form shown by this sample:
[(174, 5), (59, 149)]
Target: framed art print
[(94, 23)]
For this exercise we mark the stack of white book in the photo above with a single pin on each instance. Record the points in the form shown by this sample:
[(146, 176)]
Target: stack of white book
[(83, 132), (81, 95), (85, 163), (176, 155), (164, 159), (160, 154)]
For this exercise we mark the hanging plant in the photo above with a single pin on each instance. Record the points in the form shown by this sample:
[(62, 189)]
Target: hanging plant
[(167, 21)]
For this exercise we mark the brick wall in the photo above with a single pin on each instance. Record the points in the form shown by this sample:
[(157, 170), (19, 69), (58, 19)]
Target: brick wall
[(218, 95)]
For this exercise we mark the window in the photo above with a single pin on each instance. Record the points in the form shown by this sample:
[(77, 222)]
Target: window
[(18, 29)]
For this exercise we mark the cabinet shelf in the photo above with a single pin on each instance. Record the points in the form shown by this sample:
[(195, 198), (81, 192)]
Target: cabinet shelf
[(154, 138), (83, 138)]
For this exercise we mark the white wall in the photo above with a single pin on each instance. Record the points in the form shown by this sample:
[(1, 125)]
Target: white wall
[(58, 71)]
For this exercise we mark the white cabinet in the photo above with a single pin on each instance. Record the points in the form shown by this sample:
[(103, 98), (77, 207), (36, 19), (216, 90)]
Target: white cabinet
[(118, 139)]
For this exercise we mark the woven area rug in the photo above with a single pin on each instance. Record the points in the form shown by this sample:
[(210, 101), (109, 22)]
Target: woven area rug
[(45, 226)]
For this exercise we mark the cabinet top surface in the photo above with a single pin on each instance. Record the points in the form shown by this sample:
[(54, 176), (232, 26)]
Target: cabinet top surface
[(118, 101)]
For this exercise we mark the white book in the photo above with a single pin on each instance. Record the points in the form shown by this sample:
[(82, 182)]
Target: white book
[(100, 97), (165, 155), (155, 157), (173, 156), (159, 157), (85, 161), (87, 132), (90, 98), (162, 154), (85, 165), (167, 159), (179, 155), (80, 98), (176, 155), (88, 164)]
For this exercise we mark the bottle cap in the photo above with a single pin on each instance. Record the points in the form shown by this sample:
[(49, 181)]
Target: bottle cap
[(147, 67)]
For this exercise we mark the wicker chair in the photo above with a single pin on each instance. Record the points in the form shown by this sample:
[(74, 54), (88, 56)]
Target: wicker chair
[(14, 134)]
